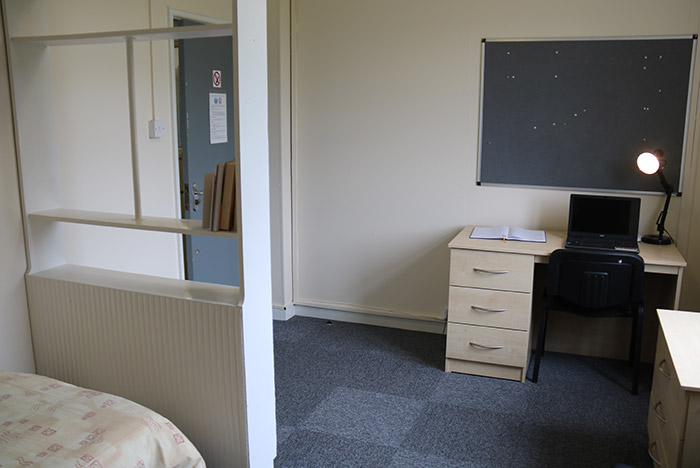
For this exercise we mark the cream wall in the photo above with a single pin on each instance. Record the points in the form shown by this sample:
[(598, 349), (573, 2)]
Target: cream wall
[(386, 102), (15, 340)]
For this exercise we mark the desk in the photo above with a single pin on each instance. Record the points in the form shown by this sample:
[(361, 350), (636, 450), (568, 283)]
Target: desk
[(489, 315)]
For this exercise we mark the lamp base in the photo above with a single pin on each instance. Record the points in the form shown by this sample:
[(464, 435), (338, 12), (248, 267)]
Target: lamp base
[(656, 239)]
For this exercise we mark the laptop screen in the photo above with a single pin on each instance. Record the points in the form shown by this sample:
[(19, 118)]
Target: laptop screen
[(602, 216)]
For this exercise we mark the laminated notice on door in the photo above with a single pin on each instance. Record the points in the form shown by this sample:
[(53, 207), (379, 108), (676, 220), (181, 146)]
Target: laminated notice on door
[(217, 118)]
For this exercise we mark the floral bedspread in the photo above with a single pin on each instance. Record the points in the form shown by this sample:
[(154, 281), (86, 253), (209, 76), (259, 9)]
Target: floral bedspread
[(48, 423)]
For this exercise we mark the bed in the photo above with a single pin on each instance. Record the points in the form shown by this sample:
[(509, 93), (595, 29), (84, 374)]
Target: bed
[(49, 423)]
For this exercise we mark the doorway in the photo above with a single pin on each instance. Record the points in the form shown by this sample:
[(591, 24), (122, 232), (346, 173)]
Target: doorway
[(203, 73)]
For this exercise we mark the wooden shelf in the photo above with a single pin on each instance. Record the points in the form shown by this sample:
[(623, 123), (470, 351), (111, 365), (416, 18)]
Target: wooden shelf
[(156, 285), (183, 32), (191, 227)]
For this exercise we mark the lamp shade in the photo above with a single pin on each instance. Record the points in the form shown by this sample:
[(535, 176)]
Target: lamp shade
[(648, 163)]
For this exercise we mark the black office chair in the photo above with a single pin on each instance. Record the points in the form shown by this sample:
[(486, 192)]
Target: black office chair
[(595, 284)]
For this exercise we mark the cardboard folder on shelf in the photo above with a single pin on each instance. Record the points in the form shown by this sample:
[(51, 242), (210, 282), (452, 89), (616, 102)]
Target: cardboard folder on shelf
[(228, 198)]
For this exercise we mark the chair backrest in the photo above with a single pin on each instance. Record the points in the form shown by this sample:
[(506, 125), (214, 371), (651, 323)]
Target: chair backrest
[(596, 279)]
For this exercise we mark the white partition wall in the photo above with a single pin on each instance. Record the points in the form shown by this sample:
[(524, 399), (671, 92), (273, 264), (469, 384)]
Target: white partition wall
[(102, 223), (15, 341), (250, 69)]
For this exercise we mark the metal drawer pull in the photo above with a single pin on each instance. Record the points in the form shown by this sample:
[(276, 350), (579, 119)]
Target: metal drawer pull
[(492, 272), (658, 416), (479, 346), (652, 456), (484, 309), (661, 369)]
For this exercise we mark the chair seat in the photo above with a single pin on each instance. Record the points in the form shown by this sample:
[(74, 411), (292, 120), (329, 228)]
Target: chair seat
[(619, 310)]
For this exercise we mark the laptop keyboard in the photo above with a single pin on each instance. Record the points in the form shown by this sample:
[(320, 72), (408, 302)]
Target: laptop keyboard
[(604, 244)]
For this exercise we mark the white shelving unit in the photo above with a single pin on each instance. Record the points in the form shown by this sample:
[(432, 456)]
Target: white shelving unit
[(134, 220), (137, 221)]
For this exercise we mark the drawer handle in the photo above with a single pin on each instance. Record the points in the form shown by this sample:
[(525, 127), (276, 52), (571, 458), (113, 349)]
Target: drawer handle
[(661, 369), (484, 309), (491, 272), (658, 416), (652, 456), (480, 346)]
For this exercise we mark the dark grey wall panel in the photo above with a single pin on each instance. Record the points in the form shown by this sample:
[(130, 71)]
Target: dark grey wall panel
[(576, 113)]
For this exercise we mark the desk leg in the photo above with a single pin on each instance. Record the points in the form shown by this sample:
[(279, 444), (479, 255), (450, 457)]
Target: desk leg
[(679, 282)]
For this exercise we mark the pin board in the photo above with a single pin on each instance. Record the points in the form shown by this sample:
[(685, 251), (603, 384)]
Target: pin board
[(575, 113)]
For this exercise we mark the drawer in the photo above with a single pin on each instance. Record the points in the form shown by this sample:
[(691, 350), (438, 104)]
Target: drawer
[(489, 345), (491, 270), (491, 308), (665, 431), (656, 448), (667, 387)]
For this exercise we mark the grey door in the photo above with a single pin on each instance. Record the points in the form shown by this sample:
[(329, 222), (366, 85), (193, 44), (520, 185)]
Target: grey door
[(208, 259)]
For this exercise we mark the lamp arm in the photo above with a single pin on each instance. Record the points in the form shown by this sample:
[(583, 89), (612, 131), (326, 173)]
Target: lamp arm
[(661, 221), (668, 188)]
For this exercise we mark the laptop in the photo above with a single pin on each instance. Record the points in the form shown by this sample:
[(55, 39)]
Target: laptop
[(602, 222)]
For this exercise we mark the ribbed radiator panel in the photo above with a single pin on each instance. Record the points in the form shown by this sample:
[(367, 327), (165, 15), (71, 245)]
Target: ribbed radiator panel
[(179, 357)]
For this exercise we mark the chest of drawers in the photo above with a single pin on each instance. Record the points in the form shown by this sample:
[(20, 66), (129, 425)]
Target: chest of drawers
[(488, 322), (674, 407)]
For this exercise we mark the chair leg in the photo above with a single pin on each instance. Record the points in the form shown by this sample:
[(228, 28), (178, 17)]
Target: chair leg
[(633, 341), (544, 330), (637, 348), (540, 339)]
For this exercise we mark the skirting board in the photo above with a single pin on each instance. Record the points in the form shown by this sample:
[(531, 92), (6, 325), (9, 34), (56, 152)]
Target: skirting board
[(282, 313), (367, 318)]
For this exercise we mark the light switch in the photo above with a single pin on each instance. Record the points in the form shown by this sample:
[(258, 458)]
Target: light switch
[(156, 128)]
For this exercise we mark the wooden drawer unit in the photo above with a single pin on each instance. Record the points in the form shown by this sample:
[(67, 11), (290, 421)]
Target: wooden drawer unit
[(671, 401), (491, 270), (674, 407), (487, 344), (665, 435), (656, 447), (490, 301), (505, 309)]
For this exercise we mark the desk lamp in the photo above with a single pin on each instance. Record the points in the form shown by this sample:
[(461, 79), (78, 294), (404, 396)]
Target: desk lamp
[(650, 163)]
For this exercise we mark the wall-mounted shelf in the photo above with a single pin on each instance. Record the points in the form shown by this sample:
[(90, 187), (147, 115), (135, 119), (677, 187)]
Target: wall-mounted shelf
[(107, 37), (146, 223)]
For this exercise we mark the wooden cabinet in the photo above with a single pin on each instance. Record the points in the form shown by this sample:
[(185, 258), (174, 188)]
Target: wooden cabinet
[(674, 407), (490, 297)]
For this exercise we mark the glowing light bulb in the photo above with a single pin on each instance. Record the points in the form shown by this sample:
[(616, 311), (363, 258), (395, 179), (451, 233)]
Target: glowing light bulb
[(648, 163)]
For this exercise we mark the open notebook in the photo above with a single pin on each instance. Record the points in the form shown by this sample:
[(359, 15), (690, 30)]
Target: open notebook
[(508, 233)]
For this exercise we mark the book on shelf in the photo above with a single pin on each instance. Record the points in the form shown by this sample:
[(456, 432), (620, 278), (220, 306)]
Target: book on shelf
[(228, 198), (207, 199), (508, 233)]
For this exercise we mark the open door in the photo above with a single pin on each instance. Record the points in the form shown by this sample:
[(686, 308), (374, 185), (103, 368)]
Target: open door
[(205, 72)]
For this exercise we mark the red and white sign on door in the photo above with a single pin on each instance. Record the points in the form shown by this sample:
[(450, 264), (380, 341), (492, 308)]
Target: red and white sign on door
[(216, 78)]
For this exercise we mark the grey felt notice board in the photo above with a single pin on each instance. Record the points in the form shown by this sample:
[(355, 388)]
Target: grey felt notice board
[(575, 113)]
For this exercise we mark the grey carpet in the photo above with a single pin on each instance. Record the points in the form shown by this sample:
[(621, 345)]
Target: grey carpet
[(356, 396)]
